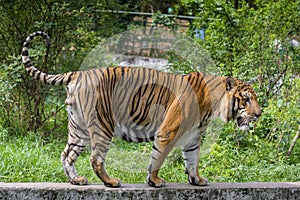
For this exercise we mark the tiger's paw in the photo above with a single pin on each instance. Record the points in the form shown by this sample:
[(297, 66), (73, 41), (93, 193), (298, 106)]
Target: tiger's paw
[(113, 182), (198, 181), (80, 180), (156, 182)]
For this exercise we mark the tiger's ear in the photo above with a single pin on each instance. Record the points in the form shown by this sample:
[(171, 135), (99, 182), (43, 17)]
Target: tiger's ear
[(229, 83)]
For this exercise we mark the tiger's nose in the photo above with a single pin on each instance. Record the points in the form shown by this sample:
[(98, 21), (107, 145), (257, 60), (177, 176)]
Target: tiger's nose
[(258, 113)]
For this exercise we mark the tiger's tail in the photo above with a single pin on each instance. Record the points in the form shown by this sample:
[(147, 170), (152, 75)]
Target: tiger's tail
[(58, 79)]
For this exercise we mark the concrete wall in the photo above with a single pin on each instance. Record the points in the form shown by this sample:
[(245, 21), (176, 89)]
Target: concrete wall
[(215, 191)]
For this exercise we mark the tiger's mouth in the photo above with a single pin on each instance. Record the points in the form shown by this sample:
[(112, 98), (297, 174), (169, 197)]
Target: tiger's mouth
[(243, 122)]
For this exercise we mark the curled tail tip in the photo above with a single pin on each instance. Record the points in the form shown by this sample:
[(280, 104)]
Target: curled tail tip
[(37, 33), (30, 68), (59, 79), (26, 44)]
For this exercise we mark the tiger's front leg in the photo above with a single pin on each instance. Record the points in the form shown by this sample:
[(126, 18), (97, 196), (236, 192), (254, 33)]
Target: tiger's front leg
[(191, 159), (99, 169), (163, 144), (165, 140)]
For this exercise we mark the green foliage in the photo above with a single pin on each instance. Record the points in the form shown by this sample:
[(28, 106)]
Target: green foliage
[(280, 121), (7, 99)]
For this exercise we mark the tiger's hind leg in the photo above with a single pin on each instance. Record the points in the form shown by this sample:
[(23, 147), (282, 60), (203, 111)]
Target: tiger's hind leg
[(77, 140), (191, 160), (100, 141)]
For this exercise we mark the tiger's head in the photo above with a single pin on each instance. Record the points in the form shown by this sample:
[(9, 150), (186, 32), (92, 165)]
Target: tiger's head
[(243, 105)]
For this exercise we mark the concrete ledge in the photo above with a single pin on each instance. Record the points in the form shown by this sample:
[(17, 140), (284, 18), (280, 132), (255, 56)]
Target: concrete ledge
[(215, 191)]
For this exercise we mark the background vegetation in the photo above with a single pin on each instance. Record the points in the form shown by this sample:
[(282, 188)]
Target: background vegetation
[(249, 39)]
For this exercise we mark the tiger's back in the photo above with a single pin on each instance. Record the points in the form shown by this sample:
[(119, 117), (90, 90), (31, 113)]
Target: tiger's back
[(135, 101)]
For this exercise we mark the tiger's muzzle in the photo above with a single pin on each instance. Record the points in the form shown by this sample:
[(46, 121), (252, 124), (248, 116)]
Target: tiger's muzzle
[(244, 120)]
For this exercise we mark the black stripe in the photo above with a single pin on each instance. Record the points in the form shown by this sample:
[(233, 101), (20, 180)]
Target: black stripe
[(77, 154), (72, 161), (182, 78), (196, 80), (101, 147), (34, 71), (105, 103), (135, 101), (200, 125), (232, 109), (52, 82), (76, 145), (39, 33), (70, 77), (25, 53), (214, 77), (135, 77), (219, 101), (155, 148), (114, 77), (189, 77), (38, 75), (150, 168), (207, 115), (187, 86), (26, 44), (216, 86), (61, 82), (153, 158), (102, 135), (160, 95), (28, 64), (152, 137), (122, 71), (100, 119), (104, 128), (192, 149), (199, 84), (126, 138), (45, 78)]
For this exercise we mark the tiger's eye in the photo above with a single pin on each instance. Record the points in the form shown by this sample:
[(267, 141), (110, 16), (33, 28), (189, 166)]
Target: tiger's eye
[(247, 99)]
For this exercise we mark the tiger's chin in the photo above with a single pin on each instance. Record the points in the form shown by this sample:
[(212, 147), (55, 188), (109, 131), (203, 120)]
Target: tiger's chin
[(243, 123), (244, 127)]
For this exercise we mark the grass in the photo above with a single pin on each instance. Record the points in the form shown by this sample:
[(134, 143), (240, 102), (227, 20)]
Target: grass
[(32, 159), (28, 159)]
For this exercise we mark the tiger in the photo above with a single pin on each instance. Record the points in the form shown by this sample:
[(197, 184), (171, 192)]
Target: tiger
[(143, 105)]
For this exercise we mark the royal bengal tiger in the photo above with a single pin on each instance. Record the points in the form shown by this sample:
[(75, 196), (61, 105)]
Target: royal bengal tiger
[(141, 105)]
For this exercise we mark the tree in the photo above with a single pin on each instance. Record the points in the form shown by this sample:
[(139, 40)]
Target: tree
[(74, 28)]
